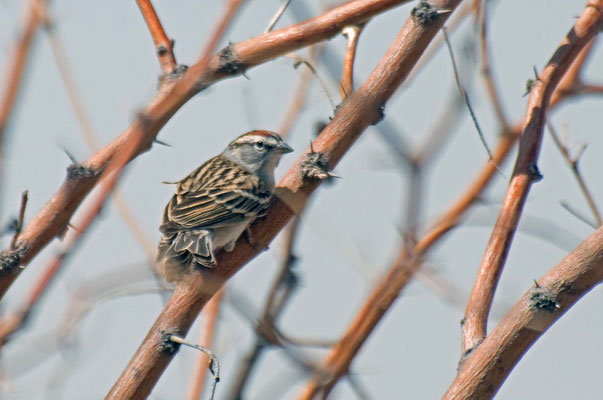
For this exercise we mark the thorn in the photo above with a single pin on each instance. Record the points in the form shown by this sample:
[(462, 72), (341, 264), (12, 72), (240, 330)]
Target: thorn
[(161, 143)]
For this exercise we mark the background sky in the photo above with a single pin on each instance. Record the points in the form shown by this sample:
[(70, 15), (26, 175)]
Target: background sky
[(350, 233)]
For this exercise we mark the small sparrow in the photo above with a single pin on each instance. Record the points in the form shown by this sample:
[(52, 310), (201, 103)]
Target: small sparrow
[(214, 205)]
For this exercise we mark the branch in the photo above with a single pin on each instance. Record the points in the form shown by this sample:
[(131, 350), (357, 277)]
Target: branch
[(231, 61), (486, 368), (352, 34), (363, 108), (163, 45), (525, 174), (208, 329), (16, 69), (573, 163), (384, 294)]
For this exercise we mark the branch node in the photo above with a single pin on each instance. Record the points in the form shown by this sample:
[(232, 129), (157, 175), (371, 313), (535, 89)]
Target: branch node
[(425, 13), (10, 259), (544, 300), (380, 114), (534, 173), (77, 170), (228, 63), (173, 76), (167, 345), (316, 166)]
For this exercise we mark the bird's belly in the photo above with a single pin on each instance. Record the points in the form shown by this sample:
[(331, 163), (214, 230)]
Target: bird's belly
[(226, 234)]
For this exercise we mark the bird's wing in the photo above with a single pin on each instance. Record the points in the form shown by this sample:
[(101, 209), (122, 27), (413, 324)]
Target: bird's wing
[(218, 193)]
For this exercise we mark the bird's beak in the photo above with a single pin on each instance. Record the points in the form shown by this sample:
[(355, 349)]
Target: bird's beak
[(283, 148)]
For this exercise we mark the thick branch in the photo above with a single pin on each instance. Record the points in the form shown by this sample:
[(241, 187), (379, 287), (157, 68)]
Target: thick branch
[(233, 60), (524, 174), (487, 367)]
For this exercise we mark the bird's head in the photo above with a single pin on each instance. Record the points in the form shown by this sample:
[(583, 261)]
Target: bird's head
[(257, 151)]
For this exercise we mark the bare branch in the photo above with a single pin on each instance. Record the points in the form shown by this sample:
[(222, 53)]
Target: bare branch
[(573, 164), (524, 175), (363, 108), (487, 366), (208, 329), (164, 47)]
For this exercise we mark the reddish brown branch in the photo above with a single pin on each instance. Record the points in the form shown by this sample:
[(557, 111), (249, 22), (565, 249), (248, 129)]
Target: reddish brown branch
[(487, 366), (16, 321), (233, 60), (491, 89), (346, 85), (361, 109), (163, 45), (16, 69), (390, 286), (208, 329), (524, 174)]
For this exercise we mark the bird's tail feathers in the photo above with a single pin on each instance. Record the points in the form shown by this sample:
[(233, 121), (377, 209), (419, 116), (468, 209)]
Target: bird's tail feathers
[(177, 252)]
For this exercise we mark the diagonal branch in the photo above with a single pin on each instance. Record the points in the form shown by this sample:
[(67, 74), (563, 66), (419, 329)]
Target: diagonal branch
[(363, 108), (16, 69), (525, 174), (486, 368), (230, 62)]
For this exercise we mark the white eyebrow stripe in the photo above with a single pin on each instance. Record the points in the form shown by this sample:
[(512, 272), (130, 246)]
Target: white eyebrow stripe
[(270, 140)]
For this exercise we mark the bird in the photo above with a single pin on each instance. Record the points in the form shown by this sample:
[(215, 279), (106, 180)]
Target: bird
[(216, 202)]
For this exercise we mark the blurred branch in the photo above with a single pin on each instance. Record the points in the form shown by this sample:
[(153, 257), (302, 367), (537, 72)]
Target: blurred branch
[(277, 16), (491, 89), (208, 329), (164, 47), (230, 62), (91, 136), (487, 366), (363, 108), (525, 174), (406, 264), (301, 92), (282, 288), (12, 323), (15, 70), (573, 162), (465, 96)]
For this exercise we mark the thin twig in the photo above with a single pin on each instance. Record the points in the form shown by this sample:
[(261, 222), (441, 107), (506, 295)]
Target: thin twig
[(573, 162), (164, 47), (208, 329), (352, 34), (466, 96), (300, 94), (20, 219), (493, 93), (214, 365), (16, 69), (277, 16), (579, 215)]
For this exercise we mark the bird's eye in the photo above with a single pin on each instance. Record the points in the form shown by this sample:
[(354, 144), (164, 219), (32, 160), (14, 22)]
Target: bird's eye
[(259, 145)]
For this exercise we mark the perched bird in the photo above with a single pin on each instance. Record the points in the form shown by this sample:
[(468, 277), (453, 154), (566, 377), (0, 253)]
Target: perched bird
[(215, 203)]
